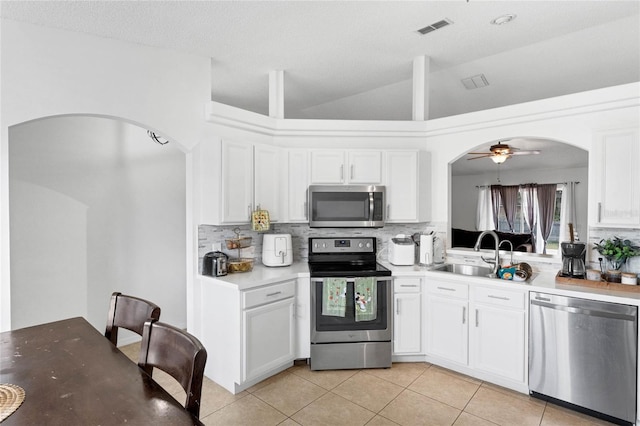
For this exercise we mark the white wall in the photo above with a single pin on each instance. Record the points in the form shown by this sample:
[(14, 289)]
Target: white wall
[(130, 232), (47, 72)]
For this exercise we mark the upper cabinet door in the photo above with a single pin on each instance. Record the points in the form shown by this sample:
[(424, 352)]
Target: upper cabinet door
[(269, 185), (237, 182), (402, 186), (327, 166), (298, 178), (364, 167), (616, 178)]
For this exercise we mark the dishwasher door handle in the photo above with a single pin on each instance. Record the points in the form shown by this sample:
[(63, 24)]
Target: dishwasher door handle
[(583, 311)]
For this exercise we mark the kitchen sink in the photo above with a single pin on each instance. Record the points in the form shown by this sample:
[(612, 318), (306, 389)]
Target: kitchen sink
[(470, 270)]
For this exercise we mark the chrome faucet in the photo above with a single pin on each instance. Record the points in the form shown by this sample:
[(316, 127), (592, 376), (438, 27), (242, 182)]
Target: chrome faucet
[(510, 250), (496, 260)]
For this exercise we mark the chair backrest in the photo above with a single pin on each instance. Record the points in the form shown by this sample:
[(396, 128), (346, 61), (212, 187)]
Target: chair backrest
[(178, 354), (128, 312)]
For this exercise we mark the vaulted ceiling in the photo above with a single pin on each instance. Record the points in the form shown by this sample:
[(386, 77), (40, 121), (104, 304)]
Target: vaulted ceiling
[(353, 59)]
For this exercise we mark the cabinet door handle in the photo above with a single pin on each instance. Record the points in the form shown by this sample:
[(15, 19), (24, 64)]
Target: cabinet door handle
[(599, 212), (342, 173), (250, 211), (306, 211), (351, 172), (446, 288), (388, 210), (477, 322), (274, 294), (491, 296), (397, 306), (464, 314), (409, 285)]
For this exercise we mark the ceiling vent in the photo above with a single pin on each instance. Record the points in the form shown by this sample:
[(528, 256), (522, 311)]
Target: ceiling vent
[(475, 82), (435, 26)]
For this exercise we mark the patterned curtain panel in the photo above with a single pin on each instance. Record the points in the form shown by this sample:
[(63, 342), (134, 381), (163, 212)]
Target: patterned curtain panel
[(509, 196), (495, 203), (546, 206)]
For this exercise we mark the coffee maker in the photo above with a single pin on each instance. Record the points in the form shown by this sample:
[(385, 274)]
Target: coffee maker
[(573, 259)]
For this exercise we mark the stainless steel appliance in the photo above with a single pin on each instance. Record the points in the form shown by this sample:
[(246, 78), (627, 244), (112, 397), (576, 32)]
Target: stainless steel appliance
[(573, 258), (215, 264), (346, 206), (347, 339), (583, 354)]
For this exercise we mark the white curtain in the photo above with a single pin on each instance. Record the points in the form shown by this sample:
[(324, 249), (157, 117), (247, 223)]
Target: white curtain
[(568, 212), (529, 210), (484, 213)]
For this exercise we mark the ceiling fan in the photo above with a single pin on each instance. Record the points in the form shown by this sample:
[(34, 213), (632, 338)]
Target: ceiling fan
[(500, 152)]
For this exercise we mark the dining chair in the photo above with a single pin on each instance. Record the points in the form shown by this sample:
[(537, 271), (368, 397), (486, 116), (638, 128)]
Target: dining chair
[(128, 312), (178, 354)]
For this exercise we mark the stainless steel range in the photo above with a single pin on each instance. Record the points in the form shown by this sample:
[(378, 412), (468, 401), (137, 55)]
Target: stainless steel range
[(351, 300)]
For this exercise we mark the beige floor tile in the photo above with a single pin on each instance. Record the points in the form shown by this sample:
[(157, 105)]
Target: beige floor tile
[(466, 419), (505, 409), (445, 388), (381, 421), (268, 381), (247, 411), (290, 393), (400, 373), (328, 379), (370, 392), (214, 397), (412, 408), (513, 393), (331, 409), (289, 422), (560, 416)]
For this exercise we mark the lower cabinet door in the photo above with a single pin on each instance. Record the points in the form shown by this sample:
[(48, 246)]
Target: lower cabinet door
[(407, 333), (269, 338), (498, 341), (447, 328)]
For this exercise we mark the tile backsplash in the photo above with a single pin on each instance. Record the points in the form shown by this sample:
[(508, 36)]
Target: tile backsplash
[(597, 234), (213, 237)]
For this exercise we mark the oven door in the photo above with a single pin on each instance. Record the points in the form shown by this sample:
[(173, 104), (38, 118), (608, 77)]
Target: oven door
[(338, 329)]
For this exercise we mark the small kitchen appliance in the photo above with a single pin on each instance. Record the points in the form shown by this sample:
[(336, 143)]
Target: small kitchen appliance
[(402, 250), (215, 264), (347, 206), (276, 250), (431, 250), (573, 259)]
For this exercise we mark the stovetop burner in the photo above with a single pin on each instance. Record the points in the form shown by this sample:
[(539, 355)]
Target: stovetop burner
[(344, 257)]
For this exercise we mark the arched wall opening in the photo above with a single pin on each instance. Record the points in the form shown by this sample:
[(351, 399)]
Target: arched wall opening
[(95, 206), (557, 162)]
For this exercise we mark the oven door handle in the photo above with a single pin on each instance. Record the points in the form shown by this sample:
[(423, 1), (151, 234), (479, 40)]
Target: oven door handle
[(353, 279)]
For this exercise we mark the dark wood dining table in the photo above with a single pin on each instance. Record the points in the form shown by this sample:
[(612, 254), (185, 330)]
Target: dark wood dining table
[(73, 375)]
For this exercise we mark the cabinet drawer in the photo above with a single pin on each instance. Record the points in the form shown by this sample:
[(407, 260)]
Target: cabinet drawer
[(406, 285), (268, 294), (449, 288), (500, 297)]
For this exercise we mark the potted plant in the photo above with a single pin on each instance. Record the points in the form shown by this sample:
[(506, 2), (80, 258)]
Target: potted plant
[(616, 251)]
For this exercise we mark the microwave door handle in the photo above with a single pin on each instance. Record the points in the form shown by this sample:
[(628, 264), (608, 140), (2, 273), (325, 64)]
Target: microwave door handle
[(371, 206)]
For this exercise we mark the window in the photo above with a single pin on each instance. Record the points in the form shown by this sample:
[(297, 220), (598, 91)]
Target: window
[(553, 242), (520, 225)]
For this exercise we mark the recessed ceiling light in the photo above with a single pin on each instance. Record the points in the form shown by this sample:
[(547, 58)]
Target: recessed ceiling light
[(501, 20)]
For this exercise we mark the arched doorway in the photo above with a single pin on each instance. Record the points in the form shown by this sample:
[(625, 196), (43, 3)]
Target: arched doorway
[(95, 206)]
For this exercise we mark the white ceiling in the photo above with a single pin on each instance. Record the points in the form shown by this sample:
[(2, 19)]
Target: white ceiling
[(353, 59)]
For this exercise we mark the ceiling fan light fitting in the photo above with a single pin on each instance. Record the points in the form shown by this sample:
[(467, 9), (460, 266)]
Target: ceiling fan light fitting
[(499, 159)]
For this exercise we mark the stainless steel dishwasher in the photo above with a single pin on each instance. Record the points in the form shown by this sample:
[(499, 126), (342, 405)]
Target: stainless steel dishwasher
[(584, 353)]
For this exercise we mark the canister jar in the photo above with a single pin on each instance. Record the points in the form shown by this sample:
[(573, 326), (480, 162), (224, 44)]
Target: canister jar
[(629, 278)]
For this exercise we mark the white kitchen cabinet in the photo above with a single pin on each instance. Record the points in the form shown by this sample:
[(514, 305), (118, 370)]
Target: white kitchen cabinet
[(406, 179), (615, 180), (407, 319), (237, 182), (341, 167), (447, 322), (251, 178), (249, 335), (269, 337), (298, 180), (498, 332)]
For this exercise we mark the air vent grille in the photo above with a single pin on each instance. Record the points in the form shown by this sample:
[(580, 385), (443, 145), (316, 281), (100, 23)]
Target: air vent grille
[(475, 81), (435, 26)]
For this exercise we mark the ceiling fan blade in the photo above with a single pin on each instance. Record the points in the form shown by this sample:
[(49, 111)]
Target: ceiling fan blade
[(525, 152), (481, 156), (480, 153)]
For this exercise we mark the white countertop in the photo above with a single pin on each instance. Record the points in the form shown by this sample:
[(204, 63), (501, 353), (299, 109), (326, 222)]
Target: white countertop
[(541, 281)]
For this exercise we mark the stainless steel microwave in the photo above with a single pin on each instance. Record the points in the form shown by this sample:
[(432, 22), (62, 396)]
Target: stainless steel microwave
[(346, 206)]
